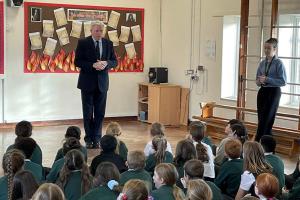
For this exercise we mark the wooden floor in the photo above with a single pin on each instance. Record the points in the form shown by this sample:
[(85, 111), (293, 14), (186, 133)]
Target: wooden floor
[(134, 134)]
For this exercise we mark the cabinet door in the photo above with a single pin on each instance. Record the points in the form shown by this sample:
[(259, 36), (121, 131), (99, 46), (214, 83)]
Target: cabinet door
[(169, 105), (153, 104)]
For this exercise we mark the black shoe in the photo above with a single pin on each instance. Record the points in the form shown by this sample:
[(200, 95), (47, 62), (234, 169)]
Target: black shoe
[(89, 145), (96, 145)]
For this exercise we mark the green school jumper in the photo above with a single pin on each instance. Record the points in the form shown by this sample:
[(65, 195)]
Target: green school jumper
[(229, 177), (180, 171), (60, 154), (140, 174), (55, 170), (72, 189), (165, 192), (294, 193), (151, 162), (3, 188), (216, 192), (278, 168), (35, 169), (36, 156), (123, 151), (100, 193)]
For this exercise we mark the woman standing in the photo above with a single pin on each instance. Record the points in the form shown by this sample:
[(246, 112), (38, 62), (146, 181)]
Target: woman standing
[(270, 77)]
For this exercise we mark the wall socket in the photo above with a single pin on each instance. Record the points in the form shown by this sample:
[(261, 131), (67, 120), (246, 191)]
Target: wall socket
[(200, 68), (189, 72)]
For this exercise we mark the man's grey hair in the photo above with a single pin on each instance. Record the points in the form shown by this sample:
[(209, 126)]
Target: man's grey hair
[(97, 23)]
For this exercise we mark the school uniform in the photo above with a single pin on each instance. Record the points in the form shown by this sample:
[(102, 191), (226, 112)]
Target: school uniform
[(278, 168), (229, 177), (151, 162), (35, 169), (123, 151), (140, 174), (164, 192), (179, 166), (3, 188), (220, 154), (55, 170), (216, 192), (207, 141), (72, 189), (209, 167), (100, 193), (108, 157), (60, 153), (36, 156), (294, 193)]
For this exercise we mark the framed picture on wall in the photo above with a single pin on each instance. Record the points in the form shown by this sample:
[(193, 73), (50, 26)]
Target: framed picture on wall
[(36, 14), (130, 17), (87, 15)]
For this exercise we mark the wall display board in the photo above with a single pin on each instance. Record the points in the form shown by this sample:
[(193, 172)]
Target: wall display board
[(2, 29), (51, 33)]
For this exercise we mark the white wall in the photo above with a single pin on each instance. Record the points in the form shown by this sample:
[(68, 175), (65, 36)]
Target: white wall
[(37, 97), (184, 40)]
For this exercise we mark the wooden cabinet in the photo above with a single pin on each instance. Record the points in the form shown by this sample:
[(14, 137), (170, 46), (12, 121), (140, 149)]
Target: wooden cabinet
[(159, 103)]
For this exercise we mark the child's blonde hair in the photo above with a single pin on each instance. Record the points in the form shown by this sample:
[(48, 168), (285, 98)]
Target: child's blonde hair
[(159, 144), (254, 158), (136, 160), (135, 189), (157, 129), (49, 191), (197, 189), (114, 129), (169, 174)]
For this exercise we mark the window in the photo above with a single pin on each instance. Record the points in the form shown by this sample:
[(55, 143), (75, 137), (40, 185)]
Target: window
[(230, 55), (289, 46)]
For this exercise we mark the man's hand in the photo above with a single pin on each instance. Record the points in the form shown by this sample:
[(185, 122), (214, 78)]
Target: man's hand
[(100, 65)]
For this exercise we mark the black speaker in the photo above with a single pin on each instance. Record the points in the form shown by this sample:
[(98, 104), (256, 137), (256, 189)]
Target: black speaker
[(158, 75), (14, 3)]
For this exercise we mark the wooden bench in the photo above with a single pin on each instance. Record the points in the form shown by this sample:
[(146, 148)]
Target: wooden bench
[(288, 140)]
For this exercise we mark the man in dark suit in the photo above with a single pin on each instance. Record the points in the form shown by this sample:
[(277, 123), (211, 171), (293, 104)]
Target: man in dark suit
[(94, 56)]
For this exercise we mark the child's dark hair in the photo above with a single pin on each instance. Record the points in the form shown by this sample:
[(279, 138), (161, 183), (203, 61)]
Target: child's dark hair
[(194, 169), (26, 145), (69, 144), (233, 148), (268, 143), (136, 160), (272, 41), (108, 143), (13, 161), (159, 144), (105, 172), (157, 129), (74, 160), (185, 150), (240, 131), (23, 129), (197, 131), (73, 131), (234, 121), (24, 185)]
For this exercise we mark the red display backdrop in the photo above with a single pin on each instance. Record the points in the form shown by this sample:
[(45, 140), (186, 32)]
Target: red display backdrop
[(2, 29), (62, 61)]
